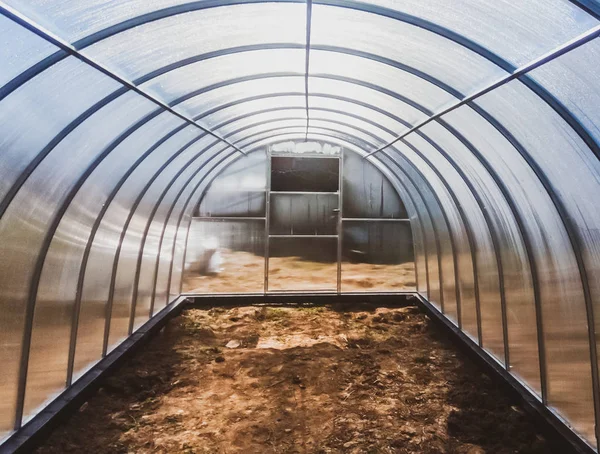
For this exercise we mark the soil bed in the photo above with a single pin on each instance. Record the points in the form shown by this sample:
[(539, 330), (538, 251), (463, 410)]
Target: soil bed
[(299, 380)]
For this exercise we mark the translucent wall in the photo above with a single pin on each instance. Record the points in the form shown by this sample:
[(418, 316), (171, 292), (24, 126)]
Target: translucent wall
[(116, 117)]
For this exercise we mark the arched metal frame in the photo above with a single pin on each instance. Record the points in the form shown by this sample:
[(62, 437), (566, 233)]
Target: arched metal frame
[(573, 234)]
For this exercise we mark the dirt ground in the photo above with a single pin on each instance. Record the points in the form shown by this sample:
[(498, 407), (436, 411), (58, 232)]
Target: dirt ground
[(244, 272), (299, 380)]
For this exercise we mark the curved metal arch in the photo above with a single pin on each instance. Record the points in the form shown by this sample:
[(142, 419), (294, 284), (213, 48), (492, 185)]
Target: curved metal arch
[(577, 245), (39, 262), (182, 213), (351, 4), (96, 226), (124, 231), (335, 77), (576, 248), (316, 109), (24, 175), (149, 223), (576, 241), (338, 122), (117, 93)]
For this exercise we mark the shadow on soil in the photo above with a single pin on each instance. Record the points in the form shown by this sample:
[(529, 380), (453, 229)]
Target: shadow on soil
[(358, 379)]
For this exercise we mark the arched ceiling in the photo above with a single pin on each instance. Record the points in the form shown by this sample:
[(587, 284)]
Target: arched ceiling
[(487, 108)]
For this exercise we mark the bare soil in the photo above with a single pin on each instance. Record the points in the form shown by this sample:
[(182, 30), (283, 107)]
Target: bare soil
[(299, 380), (244, 272)]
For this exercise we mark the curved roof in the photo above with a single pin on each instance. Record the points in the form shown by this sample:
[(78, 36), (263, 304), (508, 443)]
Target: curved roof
[(115, 115)]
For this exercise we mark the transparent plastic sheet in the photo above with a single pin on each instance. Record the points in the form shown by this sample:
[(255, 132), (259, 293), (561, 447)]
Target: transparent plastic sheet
[(567, 228)]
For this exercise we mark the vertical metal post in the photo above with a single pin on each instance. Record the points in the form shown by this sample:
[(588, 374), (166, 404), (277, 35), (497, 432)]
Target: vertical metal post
[(267, 217), (340, 219)]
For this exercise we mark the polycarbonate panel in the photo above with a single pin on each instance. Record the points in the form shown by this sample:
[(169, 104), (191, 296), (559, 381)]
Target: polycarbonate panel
[(390, 78), (219, 70), (225, 257), (422, 158), (136, 52), (256, 118), (234, 131), (303, 214), (430, 235), (239, 190), (343, 118), (456, 224), (363, 94), (564, 159), (58, 283), (138, 248), (245, 106), (258, 138), (96, 283), (164, 259), (178, 254), (46, 104), (367, 192), (453, 64), (573, 80), (487, 266), (24, 50), (163, 273), (23, 226), (516, 31), (176, 195), (357, 138), (374, 114), (375, 135), (443, 231), (220, 96), (377, 256)]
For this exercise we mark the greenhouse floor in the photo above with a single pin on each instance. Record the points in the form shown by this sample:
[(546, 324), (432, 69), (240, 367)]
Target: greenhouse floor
[(299, 380)]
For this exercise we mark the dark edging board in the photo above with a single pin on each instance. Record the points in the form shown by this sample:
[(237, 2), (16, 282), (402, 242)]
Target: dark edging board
[(39, 428), (566, 441)]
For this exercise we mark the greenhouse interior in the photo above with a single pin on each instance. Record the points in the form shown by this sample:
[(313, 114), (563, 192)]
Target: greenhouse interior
[(299, 226)]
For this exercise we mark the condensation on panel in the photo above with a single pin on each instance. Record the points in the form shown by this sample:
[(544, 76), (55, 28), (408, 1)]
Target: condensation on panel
[(367, 193), (573, 173), (239, 190), (377, 256), (225, 256)]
